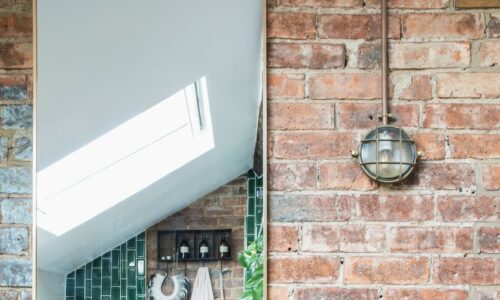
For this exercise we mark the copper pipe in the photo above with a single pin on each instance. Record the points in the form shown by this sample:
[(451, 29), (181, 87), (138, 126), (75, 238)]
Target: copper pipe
[(385, 110)]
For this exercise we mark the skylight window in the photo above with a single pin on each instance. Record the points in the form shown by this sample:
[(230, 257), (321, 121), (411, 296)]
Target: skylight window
[(125, 160)]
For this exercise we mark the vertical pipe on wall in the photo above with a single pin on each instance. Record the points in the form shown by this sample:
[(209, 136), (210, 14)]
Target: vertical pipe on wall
[(385, 112)]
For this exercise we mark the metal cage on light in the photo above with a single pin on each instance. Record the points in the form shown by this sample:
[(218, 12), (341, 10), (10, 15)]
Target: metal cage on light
[(387, 154)]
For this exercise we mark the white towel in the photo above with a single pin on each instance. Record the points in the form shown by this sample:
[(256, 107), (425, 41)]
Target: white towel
[(202, 287)]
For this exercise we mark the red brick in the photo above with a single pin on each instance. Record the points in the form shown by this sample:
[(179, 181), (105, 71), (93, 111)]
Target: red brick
[(292, 176), (486, 294), (291, 25), (322, 3), (16, 25), (413, 87), (431, 144), (470, 271), (429, 55), (411, 4), (364, 115), (272, 3), (491, 177), (394, 208), (489, 239), (494, 26), (321, 293), (430, 239), (386, 270), (477, 4), (468, 85), (441, 177), (312, 56), (468, 208), (277, 293), (346, 238), (301, 116), (369, 55), (356, 27), (424, 294), (438, 26), (474, 146), (13, 87), (16, 55), (362, 238), (310, 208), (285, 86), (18, 5), (344, 176), (313, 145), (345, 86), (302, 269), (462, 116), (320, 238), (282, 238), (489, 54)]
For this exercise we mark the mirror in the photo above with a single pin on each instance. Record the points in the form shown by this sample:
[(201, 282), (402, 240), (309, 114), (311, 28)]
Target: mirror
[(148, 134)]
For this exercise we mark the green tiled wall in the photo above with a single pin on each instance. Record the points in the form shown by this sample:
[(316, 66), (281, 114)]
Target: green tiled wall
[(255, 206), (112, 276)]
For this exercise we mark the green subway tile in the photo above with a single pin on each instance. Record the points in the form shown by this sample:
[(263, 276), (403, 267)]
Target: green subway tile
[(251, 187), (141, 236), (260, 201), (131, 277), (123, 251), (96, 263), (131, 294), (141, 286), (106, 268), (115, 277), (250, 224), (96, 293), (131, 243), (70, 286), (107, 255), (106, 298), (258, 217), (96, 278), (141, 298), (71, 275), (251, 206), (130, 258), (79, 293), (260, 181), (88, 286), (124, 269), (115, 293), (106, 286), (70, 298), (88, 271), (124, 287), (80, 277), (115, 259), (140, 249), (250, 239)]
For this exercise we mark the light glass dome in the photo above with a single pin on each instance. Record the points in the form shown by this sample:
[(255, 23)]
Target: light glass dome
[(387, 154)]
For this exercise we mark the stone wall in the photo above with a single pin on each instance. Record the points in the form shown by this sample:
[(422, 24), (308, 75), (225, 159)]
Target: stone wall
[(16, 96), (335, 234), (221, 209)]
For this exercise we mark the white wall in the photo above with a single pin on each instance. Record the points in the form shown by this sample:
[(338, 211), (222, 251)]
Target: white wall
[(102, 62)]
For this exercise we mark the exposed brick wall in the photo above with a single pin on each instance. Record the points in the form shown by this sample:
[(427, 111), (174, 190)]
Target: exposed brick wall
[(224, 208), (16, 94), (335, 234)]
